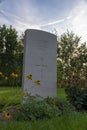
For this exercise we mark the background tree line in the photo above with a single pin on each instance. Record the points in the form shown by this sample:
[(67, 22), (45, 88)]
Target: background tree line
[(71, 58), (11, 56)]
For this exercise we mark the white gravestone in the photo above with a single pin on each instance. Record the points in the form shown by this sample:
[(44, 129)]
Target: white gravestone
[(39, 64)]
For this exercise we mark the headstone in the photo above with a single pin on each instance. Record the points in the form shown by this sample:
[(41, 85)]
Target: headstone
[(39, 64)]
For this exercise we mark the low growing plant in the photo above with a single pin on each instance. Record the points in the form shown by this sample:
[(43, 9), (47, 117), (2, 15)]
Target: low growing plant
[(77, 96), (36, 107)]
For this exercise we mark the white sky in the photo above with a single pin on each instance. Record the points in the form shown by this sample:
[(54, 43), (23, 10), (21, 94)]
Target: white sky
[(46, 15)]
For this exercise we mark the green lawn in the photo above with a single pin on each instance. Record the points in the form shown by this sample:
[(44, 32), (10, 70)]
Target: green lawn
[(61, 93), (12, 96), (71, 122)]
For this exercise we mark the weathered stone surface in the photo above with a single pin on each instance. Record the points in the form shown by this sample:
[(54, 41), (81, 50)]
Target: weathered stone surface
[(39, 65)]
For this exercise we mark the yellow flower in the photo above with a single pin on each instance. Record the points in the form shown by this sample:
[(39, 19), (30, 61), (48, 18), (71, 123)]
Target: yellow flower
[(1, 73), (6, 78), (7, 115), (24, 94), (13, 74), (29, 77), (16, 75), (37, 82)]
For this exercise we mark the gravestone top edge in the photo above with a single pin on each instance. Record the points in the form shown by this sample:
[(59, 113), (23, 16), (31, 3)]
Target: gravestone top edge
[(40, 32)]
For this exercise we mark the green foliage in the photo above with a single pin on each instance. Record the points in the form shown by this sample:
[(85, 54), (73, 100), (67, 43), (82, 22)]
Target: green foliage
[(13, 95), (77, 96), (64, 106), (75, 121), (10, 96), (61, 93), (11, 57), (59, 73), (33, 109), (72, 58)]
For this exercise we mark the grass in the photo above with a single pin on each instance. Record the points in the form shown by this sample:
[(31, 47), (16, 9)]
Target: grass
[(12, 96), (61, 93), (76, 121)]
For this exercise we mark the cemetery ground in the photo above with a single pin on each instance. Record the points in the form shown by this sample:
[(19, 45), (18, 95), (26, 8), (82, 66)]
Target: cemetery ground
[(11, 98)]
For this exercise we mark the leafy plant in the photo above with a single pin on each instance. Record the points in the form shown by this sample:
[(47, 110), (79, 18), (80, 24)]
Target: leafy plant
[(77, 96), (64, 106), (34, 108)]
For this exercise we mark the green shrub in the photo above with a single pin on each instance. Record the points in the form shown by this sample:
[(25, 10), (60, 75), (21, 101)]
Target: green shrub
[(64, 106), (77, 96), (34, 108)]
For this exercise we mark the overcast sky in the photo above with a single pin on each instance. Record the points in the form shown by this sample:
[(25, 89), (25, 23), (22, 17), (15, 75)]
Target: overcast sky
[(46, 15)]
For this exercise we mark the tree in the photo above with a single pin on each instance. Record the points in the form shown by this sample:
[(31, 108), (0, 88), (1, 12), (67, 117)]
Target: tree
[(8, 51), (3, 32), (72, 55), (11, 42), (59, 73)]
